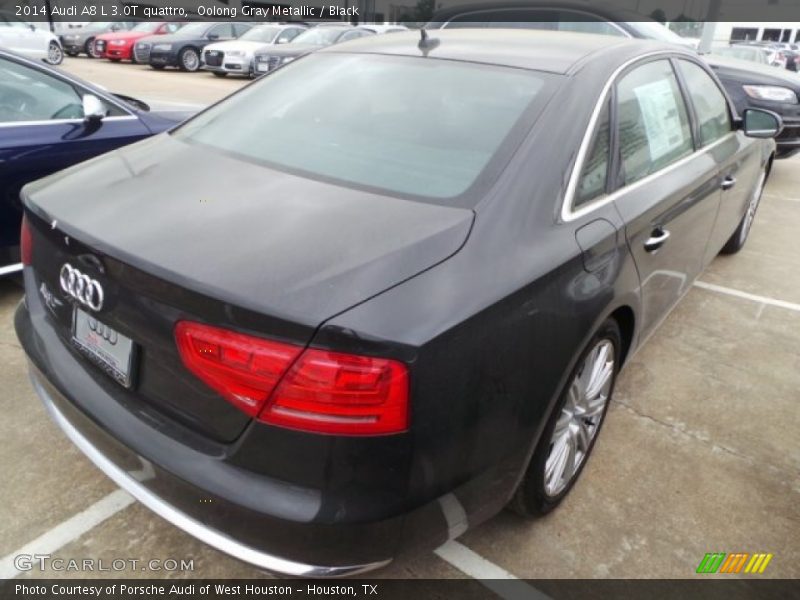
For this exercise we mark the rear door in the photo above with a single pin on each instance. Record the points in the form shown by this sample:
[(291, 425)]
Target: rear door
[(668, 190)]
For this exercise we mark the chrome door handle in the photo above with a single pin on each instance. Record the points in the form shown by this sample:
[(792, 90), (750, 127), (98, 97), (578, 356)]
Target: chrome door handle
[(728, 182), (658, 238)]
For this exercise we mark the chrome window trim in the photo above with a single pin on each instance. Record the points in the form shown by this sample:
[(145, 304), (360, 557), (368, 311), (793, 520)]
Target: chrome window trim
[(567, 212), (574, 11), (603, 200), (63, 121)]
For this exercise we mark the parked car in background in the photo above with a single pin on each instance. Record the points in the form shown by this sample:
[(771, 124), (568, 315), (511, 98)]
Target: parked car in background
[(366, 302), (118, 45), (742, 52), (78, 41), (759, 86), (750, 85), (271, 58), (28, 40), (791, 53), (183, 48), (236, 56), (49, 121)]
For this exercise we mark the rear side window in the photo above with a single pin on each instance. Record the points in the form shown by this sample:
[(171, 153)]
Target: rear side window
[(709, 102), (653, 123), (594, 174)]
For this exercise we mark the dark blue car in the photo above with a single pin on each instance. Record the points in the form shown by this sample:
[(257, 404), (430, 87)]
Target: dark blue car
[(50, 121)]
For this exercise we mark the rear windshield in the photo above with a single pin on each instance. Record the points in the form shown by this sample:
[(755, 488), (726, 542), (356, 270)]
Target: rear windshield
[(404, 125)]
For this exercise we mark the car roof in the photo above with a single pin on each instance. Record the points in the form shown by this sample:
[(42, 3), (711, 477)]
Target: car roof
[(550, 51)]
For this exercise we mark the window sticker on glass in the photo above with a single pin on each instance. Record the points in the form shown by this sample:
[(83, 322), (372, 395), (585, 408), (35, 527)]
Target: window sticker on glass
[(661, 118)]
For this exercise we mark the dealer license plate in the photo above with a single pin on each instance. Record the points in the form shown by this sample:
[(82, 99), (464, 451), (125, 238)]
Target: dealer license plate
[(105, 347)]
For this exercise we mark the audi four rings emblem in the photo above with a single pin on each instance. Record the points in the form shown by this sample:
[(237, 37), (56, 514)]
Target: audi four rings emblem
[(80, 286)]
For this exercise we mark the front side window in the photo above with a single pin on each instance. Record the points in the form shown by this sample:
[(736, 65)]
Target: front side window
[(594, 174), (710, 105), (31, 95), (403, 125), (652, 121)]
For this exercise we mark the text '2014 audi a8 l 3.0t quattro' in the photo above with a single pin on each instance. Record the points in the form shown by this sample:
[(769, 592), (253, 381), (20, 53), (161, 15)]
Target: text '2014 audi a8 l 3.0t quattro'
[(384, 292)]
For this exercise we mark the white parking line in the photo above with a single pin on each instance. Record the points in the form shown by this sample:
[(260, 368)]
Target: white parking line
[(748, 296), (497, 579), (68, 531)]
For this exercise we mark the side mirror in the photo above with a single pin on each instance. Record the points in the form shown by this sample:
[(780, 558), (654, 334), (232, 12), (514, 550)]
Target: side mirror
[(758, 123), (213, 36), (93, 109), (32, 26)]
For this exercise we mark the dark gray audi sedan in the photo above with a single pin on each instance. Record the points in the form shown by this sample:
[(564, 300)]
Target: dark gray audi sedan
[(385, 291)]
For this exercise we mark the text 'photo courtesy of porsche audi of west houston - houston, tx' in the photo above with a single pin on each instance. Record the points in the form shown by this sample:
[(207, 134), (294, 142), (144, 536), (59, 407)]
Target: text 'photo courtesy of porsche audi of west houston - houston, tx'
[(328, 306)]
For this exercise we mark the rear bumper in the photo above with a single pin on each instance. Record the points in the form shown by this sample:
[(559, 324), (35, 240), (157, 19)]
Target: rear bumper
[(271, 524), (171, 513)]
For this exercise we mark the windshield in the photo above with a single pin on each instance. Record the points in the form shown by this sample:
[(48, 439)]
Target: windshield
[(410, 126), (146, 27), (96, 26), (193, 29), (322, 36), (656, 31), (751, 54), (261, 34)]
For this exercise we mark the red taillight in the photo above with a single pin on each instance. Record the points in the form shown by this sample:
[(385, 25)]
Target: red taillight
[(330, 392), (242, 368), (25, 242), (324, 392)]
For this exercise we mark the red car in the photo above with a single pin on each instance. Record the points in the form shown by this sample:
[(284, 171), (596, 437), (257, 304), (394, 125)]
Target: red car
[(118, 45)]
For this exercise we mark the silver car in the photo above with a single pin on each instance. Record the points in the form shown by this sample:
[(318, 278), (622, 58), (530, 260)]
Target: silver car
[(236, 56)]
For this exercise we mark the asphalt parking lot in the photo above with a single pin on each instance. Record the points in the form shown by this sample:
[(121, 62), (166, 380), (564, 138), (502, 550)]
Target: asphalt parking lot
[(699, 451)]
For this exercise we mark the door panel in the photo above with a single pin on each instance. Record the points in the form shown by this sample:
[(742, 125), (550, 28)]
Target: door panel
[(670, 194), (737, 157), (740, 163), (681, 204)]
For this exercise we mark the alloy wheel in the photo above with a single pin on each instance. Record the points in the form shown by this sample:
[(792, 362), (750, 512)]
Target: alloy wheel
[(190, 60), (580, 417), (54, 54)]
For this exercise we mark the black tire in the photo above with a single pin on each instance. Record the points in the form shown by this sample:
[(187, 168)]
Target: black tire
[(531, 498), (218, 74), (88, 48), (157, 67), (739, 238), (189, 60)]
